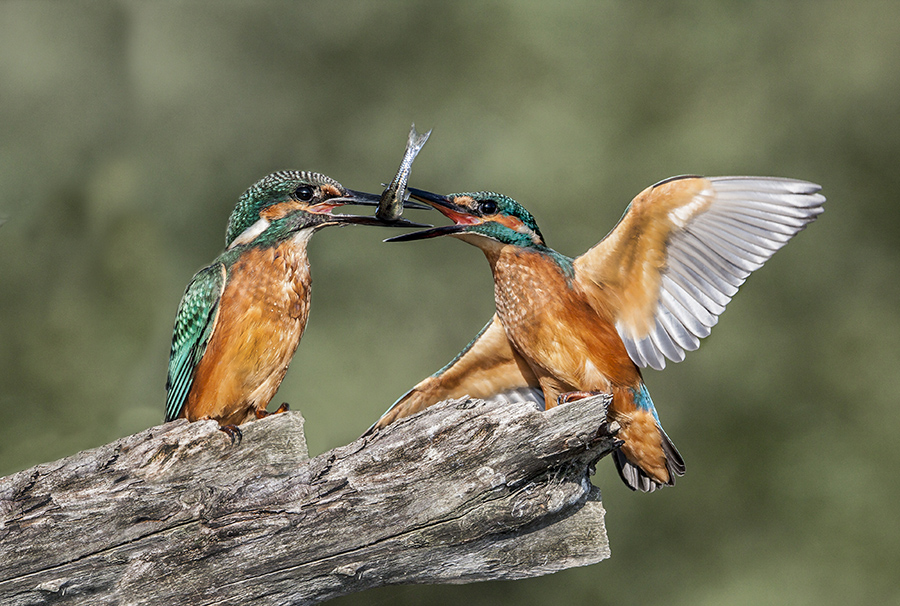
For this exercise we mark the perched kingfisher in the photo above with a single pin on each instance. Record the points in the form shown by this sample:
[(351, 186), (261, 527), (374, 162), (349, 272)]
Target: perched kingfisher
[(241, 318), (651, 289)]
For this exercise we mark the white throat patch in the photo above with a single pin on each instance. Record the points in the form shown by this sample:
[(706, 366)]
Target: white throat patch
[(248, 235)]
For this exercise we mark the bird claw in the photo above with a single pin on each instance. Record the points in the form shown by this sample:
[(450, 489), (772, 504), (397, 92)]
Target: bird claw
[(571, 396), (262, 413), (233, 432)]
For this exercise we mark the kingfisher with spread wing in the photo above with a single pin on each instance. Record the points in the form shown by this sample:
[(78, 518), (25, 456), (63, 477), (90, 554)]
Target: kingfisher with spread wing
[(650, 290)]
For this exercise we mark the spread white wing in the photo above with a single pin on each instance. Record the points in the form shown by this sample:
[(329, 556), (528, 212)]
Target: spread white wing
[(681, 251)]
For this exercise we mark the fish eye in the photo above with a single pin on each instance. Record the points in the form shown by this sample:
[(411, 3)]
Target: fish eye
[(304, 193), (488, 207)]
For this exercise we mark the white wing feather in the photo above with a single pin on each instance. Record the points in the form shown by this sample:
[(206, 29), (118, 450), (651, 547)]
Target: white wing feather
[(711, 252)]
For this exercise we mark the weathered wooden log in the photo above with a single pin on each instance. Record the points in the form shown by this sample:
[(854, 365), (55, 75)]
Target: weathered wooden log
[(465, 491)]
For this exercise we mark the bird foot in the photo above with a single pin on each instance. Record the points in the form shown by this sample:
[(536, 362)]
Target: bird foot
[(571, 396), (233, 432), (262, 413)]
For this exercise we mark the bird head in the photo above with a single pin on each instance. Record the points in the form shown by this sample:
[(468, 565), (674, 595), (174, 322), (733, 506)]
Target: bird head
[(287, 201), (479, 218)]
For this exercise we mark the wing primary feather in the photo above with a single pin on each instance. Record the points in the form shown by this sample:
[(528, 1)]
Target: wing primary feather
[(785, 226), (701, 290), (630, 346), (694, 326), (704, 278), (687, 301), (730, 272), (665, 344), (682, 336), (734, 254), (773, 210), (764, 184), (793, 191), (771, 230), (724, 236), (649, 353), (777, 199), (181, 385), (488, 366), (702, 263), (747, 240), (193, 330)]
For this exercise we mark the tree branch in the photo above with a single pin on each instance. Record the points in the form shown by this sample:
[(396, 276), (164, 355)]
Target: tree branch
[(465, 491)]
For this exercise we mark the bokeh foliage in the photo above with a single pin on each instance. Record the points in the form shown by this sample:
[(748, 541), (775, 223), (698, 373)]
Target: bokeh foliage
[(129, 129)]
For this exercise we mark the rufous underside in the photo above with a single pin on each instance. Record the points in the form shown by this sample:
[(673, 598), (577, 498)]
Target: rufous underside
[(261, 318)]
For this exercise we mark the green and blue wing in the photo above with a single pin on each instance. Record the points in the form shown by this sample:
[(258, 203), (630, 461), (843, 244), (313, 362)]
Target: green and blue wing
[(194, 325)]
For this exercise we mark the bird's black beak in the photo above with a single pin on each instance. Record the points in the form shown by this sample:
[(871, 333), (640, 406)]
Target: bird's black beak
[(461, 217), (360, 198), (369, 220), (357, 198)]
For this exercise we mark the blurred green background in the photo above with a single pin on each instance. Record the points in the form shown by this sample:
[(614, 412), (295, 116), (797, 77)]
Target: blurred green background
[(129, 129)]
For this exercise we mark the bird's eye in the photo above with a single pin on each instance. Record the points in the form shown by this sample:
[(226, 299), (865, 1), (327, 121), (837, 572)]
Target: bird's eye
[(488, 207), (304, 193)]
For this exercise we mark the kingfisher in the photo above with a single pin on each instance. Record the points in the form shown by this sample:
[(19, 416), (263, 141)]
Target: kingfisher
[(568, 328), (241, 317)]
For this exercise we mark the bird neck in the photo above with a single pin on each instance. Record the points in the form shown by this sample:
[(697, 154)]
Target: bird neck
[(276, 236), (494, 250), (289, 252)]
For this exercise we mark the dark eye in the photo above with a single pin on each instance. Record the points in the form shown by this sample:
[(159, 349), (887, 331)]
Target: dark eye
[(488, 207), (304, 193)]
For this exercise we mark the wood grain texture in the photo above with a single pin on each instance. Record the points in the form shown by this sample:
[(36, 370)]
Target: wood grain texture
[(464, 491)]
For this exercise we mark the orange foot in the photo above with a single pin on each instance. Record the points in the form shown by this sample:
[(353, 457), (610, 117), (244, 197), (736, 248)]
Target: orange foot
[(571, 396), (233, 432), (262, 413)]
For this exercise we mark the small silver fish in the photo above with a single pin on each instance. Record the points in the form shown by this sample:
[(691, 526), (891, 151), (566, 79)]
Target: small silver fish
[(390, 207)]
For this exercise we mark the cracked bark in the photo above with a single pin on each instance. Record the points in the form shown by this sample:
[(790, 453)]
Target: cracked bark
[(465, 491)]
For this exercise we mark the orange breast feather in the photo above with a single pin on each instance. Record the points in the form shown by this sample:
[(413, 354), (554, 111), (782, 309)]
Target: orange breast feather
[(262, 316), (553, 326)]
